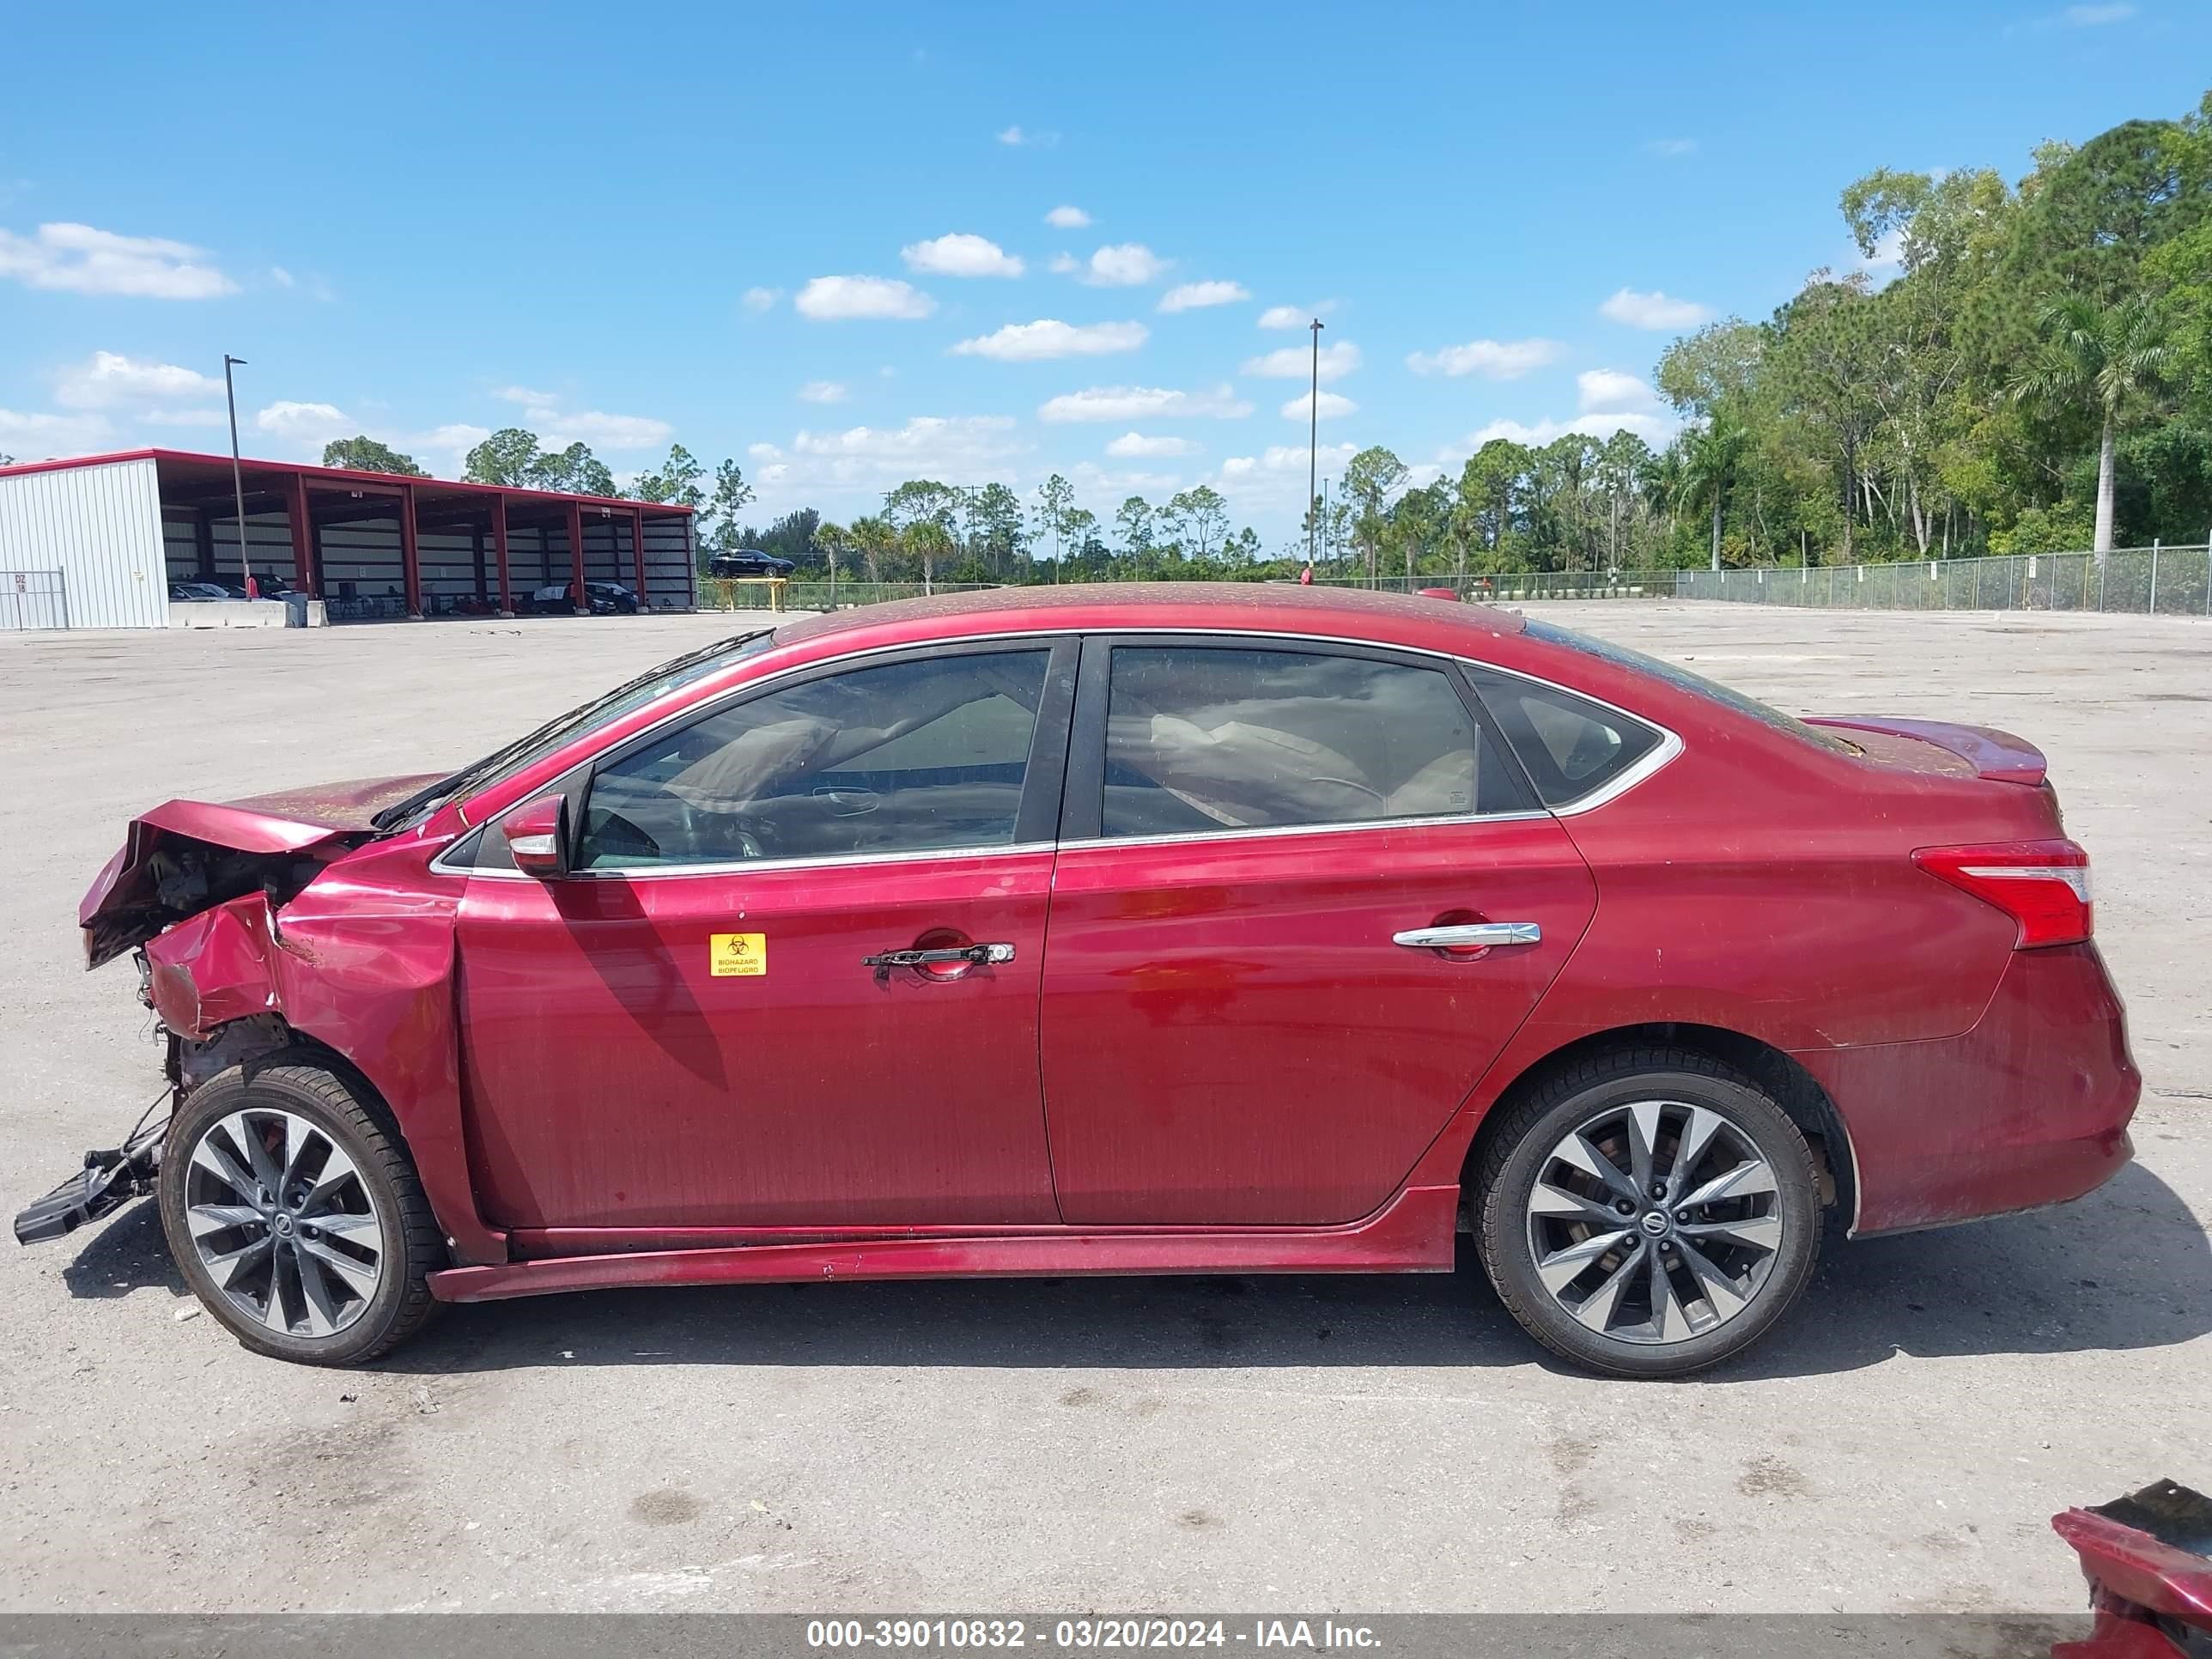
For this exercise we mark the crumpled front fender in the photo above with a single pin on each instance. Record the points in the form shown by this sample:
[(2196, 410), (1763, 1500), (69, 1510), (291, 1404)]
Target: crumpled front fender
[(215, 968), (362, 962)]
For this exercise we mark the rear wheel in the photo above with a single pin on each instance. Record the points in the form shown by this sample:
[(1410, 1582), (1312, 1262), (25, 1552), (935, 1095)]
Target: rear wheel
[(1648, 1213), (295, 1215)]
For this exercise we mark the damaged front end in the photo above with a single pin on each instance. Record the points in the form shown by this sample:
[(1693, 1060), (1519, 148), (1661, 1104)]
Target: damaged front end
[(194, 893)]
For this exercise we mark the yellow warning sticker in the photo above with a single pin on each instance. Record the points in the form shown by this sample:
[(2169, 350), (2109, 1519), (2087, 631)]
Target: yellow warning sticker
[(739, 955)]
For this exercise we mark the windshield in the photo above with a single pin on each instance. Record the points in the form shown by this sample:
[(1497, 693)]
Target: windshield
[(600, 711), (1683, 679)]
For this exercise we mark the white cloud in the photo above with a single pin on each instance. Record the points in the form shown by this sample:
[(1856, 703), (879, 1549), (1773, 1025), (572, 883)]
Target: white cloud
[(1293, 316), (832, 298), (1019, 138), (2090, 17), (1672, 148), (1191, 297), (761, 299), (452, 440), (1067, 218), (1132, 446), (110, 379), (962, 449), (78, 259), (40, 436), (1140, 403), (1600, 389), (1653, 429), (823, 391), (1120, 264), (1887, 260), (1049, 338), (281, 276), (593, 428), (1276, 477), (960, 254), (1065, 265), (1494, 359), (311, 425), (1654, 310), (1297, 362), (1331, 405), (600, 430)]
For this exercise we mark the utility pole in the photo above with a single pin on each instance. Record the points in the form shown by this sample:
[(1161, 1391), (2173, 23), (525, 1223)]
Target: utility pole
[(237, 479), (1313, 446)]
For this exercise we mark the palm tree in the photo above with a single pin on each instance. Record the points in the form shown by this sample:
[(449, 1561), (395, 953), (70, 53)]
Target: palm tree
[(1708, 464), (874, 536), (930, 540), (829, 537), (2102, 359)]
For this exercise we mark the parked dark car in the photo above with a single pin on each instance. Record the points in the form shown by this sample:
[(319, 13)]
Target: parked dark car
[(610, 598), (748, 562)]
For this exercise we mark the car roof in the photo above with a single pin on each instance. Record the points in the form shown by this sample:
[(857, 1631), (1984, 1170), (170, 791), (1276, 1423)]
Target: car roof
[(1272, 607)]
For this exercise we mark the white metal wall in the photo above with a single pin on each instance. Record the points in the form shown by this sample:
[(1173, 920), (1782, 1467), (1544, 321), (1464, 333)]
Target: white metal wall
[(101, 526)]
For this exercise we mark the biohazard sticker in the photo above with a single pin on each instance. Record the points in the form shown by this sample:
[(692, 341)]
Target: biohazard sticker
[(738, 954)]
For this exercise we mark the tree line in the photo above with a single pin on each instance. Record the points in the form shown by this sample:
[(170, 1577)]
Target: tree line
[(2017, 367)]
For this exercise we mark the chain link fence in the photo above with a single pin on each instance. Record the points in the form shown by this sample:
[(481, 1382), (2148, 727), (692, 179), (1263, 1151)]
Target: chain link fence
[(1512, 585), (760, 593), (2166, 581)]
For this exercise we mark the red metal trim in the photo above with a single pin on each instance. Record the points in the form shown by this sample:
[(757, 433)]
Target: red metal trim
[(340, 475), (637, 553), (1413, 1233), (410, 558), (576, 556), (301, 520), (499, 554)]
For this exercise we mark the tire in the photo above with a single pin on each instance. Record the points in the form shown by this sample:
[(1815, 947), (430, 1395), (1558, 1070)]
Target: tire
[(346, 1269), (1665, 1297)]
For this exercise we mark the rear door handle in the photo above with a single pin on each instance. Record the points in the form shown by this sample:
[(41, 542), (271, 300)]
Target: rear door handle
[(1470, 936)]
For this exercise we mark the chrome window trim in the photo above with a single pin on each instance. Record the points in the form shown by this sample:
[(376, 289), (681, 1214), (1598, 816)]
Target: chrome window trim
[(1670, 743), (1229, 832), (1670, 746), (761, 866)]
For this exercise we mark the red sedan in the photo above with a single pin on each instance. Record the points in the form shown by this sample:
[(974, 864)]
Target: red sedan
[(1219, 929)]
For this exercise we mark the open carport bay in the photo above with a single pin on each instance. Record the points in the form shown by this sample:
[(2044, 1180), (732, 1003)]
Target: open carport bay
[(1377, 1444)]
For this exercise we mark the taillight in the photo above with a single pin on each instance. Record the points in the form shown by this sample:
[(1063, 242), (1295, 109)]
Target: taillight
[(2043, 885)]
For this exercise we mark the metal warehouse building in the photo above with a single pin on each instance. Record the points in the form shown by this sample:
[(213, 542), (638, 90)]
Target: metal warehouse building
[(95, 543)]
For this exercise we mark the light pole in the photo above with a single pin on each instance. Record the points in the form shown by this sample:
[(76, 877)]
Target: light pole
[(237, 479), (1313, 446)]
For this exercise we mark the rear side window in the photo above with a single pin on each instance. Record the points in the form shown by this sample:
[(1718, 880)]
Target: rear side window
[(1571, 747), (1201, 739)]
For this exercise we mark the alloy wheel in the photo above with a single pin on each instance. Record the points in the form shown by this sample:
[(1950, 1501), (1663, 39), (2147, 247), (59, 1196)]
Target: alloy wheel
[(1655, 1222), (282, 1223)]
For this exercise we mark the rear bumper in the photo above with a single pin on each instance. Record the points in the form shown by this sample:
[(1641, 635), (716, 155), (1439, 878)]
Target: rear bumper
[(2028, 1108)]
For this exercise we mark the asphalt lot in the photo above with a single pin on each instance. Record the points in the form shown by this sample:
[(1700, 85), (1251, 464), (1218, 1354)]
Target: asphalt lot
[(1125, 1446)]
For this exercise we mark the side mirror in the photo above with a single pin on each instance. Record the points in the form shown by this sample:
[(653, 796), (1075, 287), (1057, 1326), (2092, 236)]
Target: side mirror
[(537, 836)]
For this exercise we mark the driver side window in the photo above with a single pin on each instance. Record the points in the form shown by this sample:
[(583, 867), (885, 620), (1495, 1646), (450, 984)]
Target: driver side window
[(921, 755)]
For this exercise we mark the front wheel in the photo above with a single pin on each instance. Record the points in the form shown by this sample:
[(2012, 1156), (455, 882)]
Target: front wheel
[(1648, 1213), (295, 1216)]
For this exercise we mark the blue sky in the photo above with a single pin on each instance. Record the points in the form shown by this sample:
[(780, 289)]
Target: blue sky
[(630, 225)]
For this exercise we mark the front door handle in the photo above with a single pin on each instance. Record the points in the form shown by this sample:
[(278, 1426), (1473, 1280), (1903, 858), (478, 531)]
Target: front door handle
[(974, 955), (1470, 936)]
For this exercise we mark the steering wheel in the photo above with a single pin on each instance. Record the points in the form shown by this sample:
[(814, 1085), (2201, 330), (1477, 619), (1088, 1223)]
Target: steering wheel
[(712, 834)]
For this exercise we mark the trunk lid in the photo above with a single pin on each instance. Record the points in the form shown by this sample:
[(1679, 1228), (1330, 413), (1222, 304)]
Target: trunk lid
[(186, 856), (1999, 757)]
